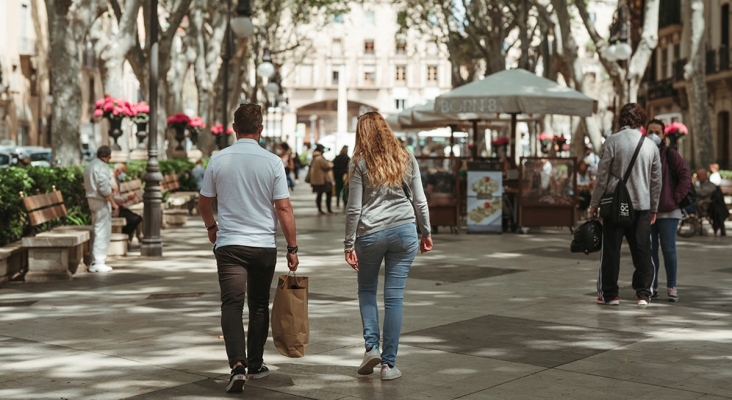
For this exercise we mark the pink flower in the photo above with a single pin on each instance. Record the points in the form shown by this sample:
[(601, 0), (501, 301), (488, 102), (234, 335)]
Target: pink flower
[(117, 111), (99, 103), (197, 122), (98, 113), (546, 136), (216, 129), (142, 107), (108, 107), (178, 119), (676, 128), (500, 141)]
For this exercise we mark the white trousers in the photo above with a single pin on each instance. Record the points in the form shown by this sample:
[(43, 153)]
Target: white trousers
[(101, 212)]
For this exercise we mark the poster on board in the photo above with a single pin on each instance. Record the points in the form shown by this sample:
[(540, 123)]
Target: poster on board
[(485, 196)]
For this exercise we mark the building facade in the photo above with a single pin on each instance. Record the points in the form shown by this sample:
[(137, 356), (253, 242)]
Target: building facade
[(666, 96), (362, 56)]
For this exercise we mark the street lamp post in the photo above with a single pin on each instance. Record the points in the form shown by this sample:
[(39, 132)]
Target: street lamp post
[(243, 27), (620, 48), (152, 244)]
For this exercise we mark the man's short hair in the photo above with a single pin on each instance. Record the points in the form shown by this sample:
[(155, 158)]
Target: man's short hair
[(632, 115), (657, 122), (248, 119), (104, 151)]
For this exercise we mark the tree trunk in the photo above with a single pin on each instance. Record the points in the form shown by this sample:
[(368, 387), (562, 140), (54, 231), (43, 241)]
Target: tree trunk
[(644, 52), (696, 87), (114, 54), (65, 31), (574, 72)]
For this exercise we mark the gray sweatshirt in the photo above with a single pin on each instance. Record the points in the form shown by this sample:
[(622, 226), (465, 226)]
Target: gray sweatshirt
[(97, 178), (644, 183), (374, 209)]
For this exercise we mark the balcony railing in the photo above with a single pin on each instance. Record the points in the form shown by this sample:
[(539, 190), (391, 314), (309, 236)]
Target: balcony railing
[(679, 70), (724, 58), (711, 65), (661, 89)]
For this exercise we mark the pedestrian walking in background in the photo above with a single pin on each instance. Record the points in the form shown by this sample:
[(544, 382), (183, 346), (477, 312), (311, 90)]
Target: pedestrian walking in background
[(197, 173), (250, 186), (297, 166), (644, 187), (710, 200), (340, 172), (132, 220), (98, 188), (385, 192), (285, 153), (675, 184), (321, 179)]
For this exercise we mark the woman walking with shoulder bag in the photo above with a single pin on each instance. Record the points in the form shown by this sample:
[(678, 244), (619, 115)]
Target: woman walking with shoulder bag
[(675, 184), (384, 194), (321, 178)]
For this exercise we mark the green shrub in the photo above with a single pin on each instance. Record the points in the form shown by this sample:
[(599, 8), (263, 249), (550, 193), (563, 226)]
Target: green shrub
[(725, 174), (183, 168), (12, 214)]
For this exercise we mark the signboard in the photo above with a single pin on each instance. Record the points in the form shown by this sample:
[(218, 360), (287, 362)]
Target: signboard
[(485, 196)]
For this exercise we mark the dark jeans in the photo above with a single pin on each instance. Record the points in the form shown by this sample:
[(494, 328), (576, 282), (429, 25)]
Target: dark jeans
[(341, 191), (245, 271), (665, 231), (639, 241), (319, 199), (133, 220)]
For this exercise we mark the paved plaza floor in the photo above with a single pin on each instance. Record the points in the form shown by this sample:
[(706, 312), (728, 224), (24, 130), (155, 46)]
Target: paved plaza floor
[(485, 317)]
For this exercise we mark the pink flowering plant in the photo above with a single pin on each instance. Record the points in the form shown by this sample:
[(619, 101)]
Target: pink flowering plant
[(112, 108), (676, 129), (140, 113), (218, 129), (197, 124), (179, 120)]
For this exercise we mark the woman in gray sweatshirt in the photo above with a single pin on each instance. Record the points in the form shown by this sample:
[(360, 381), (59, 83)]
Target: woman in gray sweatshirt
[(384, 196)]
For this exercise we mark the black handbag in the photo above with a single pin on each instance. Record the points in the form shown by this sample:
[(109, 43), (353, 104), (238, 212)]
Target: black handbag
[(587, 238), (618, 206)]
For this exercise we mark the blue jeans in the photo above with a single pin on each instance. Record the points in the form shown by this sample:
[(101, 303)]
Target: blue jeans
[(398, 247), (665, 230)]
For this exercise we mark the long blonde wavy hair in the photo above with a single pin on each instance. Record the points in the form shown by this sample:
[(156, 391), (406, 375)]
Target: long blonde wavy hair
[(387, 161)]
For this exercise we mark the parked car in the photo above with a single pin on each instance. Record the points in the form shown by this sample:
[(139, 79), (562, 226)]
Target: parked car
[(39, 156), (4, 160)]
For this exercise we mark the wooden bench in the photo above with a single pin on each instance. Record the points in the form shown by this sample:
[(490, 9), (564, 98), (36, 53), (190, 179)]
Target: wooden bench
[(126, 188), (180, 204), (55, 254)]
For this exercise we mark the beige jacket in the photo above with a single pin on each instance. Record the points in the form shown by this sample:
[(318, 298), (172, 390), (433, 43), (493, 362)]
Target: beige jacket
[(321, 170)]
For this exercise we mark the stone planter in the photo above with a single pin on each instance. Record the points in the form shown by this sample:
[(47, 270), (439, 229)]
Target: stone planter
[(141, 135), (175, 217), (115, 131), (13, 259)]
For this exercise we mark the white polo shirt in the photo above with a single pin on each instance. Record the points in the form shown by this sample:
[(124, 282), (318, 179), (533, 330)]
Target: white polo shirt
[(246, 180)]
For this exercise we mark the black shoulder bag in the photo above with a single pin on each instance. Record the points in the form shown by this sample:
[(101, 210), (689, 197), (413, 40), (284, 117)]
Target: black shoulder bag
[(618, 207), (690, 197)]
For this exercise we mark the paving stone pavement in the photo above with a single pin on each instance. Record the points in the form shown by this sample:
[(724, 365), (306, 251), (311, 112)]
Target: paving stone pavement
[(485, 317)]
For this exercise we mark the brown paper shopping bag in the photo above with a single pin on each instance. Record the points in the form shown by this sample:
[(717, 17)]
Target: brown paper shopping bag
[(290, 326)]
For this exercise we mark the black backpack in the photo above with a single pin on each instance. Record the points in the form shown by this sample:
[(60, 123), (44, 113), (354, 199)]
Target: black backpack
[(618, 206), (587, 238)]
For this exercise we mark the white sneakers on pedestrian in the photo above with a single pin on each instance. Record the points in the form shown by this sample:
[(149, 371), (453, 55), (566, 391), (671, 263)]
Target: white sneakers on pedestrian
[(100, 268), (388, 373), (371, 359)]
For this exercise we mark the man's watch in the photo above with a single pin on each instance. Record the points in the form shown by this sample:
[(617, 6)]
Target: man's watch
[(292, 249)]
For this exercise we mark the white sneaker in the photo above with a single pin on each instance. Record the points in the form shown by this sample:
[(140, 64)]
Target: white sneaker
[(388, 373), (100, 268), (370, 360)]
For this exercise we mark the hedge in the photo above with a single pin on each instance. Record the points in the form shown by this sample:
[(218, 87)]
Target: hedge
[(70, 181)]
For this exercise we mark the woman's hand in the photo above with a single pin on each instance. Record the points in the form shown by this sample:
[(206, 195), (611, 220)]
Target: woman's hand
[(426, 244), (352, 259)]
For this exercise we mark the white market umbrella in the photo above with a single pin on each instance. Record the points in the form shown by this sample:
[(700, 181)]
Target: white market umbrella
[(514, 92)]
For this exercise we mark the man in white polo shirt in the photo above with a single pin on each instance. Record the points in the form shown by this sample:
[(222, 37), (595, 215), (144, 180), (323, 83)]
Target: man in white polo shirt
[(250, 186)]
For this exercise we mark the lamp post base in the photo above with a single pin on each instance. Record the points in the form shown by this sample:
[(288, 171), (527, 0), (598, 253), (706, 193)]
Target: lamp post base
[(151, 248)]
